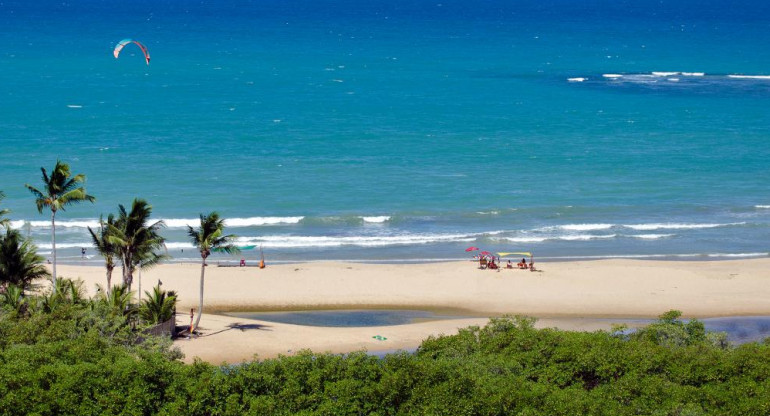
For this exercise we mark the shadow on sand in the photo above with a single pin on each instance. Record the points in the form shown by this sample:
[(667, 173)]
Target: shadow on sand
[(239, 326)]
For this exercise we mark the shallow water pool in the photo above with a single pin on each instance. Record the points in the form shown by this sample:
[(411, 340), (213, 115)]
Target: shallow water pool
[(346, 318)]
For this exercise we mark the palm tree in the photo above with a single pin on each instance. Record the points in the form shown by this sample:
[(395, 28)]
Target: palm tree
[(209, 236), (4, 222), (158, 307), (59, 190), (12, 299), (136, 242), (104, 247), (118, 301), (19, 262)]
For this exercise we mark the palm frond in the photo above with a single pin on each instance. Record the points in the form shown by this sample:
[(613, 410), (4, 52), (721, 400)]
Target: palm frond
[(19, 262), (5, 222), (208, 236)]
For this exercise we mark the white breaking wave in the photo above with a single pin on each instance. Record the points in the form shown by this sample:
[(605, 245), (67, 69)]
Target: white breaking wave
[(576, 237), (693, 74), (767, 77), (612, 76), (585, 237), (60, 246), (664, 74), (525, 239), (234, 222), (585, 227), (170, 222), (677, 226), (576, 79), (652, 236), (279, 241), (18, 224), (654, 256), (737, 255), (178, 245), (379, 219), (762, 206)]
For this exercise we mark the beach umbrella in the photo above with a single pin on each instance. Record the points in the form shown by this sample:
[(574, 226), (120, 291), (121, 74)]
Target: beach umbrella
[(471, 249)]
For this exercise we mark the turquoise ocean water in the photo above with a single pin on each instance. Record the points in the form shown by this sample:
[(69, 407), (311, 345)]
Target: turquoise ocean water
[(402, 129)]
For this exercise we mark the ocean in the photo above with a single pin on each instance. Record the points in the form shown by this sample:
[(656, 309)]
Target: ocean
[(399, 130)]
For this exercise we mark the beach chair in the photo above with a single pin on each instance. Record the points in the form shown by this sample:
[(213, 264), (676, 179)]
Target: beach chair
[(483, 263)]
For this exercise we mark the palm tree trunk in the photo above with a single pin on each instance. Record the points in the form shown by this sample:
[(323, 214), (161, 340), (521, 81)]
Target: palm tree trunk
[(128, 277), (200, 304), (109, 280), (53, 247)]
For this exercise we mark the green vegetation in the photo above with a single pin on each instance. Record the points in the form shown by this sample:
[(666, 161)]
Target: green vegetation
[(159, 306), (60, 189), (209, 236), (4, 222), (81, 358), (101, 241), (135, 240), (19, 262)]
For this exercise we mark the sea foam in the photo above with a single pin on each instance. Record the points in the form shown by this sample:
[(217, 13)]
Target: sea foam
[(763, 77), (233, 222), (651, 236), (284, 241), (675, 226), (379, 219), (585, 227)]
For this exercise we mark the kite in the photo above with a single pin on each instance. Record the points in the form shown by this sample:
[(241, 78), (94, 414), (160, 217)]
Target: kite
[(124, 42)]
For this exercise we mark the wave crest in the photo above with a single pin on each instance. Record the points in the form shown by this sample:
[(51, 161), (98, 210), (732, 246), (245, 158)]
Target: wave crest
[(677, 226)]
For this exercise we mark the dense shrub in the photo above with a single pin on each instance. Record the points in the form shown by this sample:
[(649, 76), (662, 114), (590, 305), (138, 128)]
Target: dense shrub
[(73, 360)]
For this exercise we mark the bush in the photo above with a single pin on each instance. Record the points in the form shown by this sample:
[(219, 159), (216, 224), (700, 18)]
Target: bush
[(78, 359)]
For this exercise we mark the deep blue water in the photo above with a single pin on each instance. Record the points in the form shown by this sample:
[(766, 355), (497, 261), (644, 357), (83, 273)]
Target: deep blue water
[(400, 130)]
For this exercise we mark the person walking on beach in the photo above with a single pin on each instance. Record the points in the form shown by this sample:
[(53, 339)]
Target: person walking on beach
[(82, 252)]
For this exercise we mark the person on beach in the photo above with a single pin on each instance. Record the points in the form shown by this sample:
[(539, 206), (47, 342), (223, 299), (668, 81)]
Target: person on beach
[(82, 252), (523, 264), (509, 265)]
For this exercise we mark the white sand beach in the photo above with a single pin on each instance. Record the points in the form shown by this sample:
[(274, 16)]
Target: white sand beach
[(557, 293)]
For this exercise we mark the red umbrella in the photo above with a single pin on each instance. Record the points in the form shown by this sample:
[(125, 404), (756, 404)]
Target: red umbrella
[(471, 249), (485, 253)]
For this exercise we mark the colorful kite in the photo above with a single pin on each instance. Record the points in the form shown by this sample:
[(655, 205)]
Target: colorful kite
[(124, 42)]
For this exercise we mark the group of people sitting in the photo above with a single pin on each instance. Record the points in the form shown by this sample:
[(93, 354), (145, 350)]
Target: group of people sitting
[(522, 264), (490, 264)]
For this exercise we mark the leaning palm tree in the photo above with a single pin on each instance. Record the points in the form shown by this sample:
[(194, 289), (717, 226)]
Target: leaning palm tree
[(4, 222), (137, 242), (209, 236), (59, 190), (104, 247), (19, 262)]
